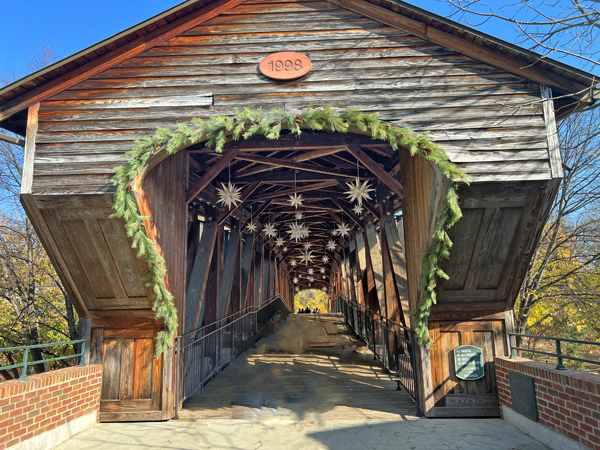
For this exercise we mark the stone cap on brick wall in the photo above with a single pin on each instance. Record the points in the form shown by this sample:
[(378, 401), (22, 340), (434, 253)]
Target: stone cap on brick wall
[(40, 380)]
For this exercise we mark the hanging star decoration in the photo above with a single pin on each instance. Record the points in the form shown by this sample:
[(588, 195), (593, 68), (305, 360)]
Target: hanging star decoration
[(279, 242), (322, 270), (358, 192), (311, 279), (324, 288), (324, 277), (270, 231), (307, 245), (295, 280), (305, 231), (296, 200), (285, 249), (297, 289), (307, 256), (311, 271), (358, 210), (325, 258), (299, 215), (297, 231), (341, 230), (251, 227), (229, 195), (293, 263), (331, 245)]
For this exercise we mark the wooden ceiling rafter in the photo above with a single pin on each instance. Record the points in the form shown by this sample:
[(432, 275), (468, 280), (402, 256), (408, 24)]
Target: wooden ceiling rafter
[(320, 174)]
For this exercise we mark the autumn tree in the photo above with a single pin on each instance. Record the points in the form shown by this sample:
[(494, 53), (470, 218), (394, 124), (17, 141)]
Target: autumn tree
[(35, 308), (561, 290), (312, 299)]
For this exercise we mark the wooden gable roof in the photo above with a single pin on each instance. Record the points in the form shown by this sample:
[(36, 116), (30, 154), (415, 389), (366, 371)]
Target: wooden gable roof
[(566, 80)]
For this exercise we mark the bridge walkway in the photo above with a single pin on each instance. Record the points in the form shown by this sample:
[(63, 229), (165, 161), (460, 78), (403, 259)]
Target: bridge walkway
[(310, 386), (312, 365)]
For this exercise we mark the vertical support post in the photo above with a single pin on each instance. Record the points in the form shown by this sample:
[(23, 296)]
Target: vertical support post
[(24, 376), (177, 375), (82, 357), (560, 365), (85, 332), (513, 351)]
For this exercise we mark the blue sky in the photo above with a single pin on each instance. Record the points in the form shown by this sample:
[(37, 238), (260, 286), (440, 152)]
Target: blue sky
[(69, 26)]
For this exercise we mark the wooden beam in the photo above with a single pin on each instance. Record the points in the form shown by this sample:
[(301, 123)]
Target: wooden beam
[(247, 267), (395, 282), (12, 140), (377, 170), (551, 133), (318, 153), (195, 296), (472, 49), (277, 162), (374, 244), (302, 177), (298, 190), (123, 53), (210, 175), (348, 211), (29, 150), (231, 258), (398, 266)]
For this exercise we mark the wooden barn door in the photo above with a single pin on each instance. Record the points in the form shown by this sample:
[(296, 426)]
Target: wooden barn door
[(131, 378), (461, 398)]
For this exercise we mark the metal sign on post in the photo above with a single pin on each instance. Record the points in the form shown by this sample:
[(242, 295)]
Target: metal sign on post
[(285, 66), (468, 362)]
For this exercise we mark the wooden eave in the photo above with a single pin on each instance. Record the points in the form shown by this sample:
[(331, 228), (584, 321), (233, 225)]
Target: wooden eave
[(564, 79)]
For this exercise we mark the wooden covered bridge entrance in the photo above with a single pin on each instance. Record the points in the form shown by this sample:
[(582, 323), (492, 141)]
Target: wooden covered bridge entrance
[(487, 103)]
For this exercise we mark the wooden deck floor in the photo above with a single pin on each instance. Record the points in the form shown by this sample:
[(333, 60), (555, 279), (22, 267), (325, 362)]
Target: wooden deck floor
[(311, 366)]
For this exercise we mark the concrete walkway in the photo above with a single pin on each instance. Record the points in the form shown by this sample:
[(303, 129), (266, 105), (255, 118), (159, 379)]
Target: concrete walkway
[(310, 386)]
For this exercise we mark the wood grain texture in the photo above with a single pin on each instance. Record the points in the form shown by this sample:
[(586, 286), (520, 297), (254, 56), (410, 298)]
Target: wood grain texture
[(29, 149), (471, 107)]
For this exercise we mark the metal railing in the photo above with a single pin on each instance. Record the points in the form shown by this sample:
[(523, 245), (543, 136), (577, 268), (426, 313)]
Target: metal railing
[(26, 363), (393, 343), (202, 353), (558, 355)]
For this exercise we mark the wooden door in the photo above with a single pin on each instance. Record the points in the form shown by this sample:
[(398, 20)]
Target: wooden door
[(454, 397), (131, 378)]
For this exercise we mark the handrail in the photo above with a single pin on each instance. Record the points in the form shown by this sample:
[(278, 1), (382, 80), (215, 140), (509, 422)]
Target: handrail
[(220, 342), (558, 355), (373, 313), (397, 348), (26, 363), (250, 309)]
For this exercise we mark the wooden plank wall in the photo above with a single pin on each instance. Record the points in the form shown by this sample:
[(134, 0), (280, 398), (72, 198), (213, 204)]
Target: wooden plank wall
[(478, 113), (163, 199)]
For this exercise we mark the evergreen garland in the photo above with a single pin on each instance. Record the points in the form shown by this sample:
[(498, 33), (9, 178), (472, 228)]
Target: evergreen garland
[(252, 122)]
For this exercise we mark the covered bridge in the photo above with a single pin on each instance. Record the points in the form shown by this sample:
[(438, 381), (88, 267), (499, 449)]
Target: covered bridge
[(491, 106)]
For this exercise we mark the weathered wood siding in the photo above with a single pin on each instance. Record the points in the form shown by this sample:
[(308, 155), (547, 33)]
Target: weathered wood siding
[(481, 115)]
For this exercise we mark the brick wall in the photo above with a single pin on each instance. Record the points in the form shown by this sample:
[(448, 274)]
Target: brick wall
[(47, 401), (568, 401)]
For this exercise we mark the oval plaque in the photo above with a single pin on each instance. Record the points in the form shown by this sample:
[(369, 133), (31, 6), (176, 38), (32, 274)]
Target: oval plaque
[(468, 362), (285, 66)]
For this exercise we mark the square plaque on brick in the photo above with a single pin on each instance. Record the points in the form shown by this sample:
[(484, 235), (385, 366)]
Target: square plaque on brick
[(522, 394)]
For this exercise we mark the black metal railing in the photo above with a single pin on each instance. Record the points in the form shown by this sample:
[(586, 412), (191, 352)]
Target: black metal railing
[(559, 355), (393, 343), (202, 353)]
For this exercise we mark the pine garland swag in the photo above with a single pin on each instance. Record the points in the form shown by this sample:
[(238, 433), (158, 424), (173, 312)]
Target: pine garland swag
[(255, 122)]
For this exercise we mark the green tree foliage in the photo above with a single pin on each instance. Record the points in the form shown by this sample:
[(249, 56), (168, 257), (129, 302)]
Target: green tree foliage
[(34, 307), (312, 299), (561, 292)]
